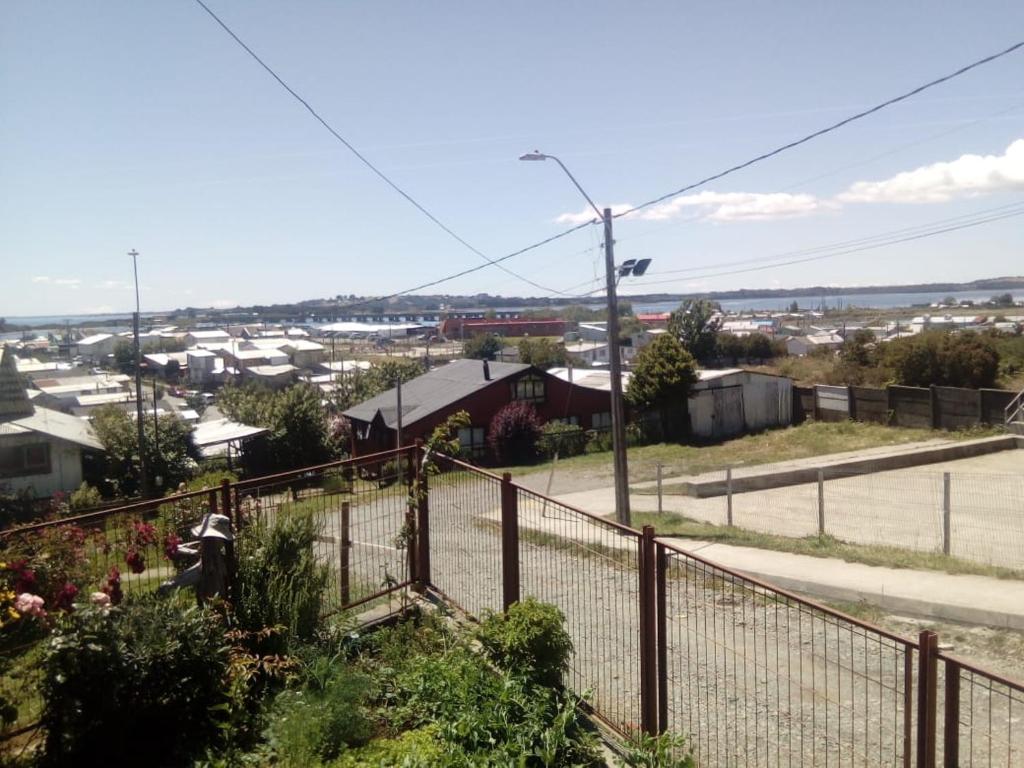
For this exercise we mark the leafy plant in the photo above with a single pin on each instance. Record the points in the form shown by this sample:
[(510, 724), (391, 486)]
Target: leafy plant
[(663, 751), (529, 641), (663, 373), (280, 582), (84, 497), (120, 681), (563, 439)]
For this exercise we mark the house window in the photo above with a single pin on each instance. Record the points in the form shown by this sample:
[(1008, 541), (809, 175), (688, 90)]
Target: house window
[(574, 420), (601, 420), (472, 442), (529, 389), (25, 460)]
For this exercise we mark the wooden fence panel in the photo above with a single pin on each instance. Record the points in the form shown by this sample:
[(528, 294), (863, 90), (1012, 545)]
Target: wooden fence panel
[(870, 404), (911, 406), (803, 404), (957, 408), (993, 405), (833, 403)]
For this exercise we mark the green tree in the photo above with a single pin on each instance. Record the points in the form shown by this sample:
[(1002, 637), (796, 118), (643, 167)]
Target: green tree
[(858, 349), (696, 324), (542, 353), (483, 347), (943, 359), (731, 347), (299, 431), (168, 451), (124, 356), (758, 347), (1002, 300), (358, 386), (663, 373), (794, 307)]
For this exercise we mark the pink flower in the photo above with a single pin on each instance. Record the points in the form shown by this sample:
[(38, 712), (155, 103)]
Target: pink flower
[(142, 533), (100, 599), (171, 545), (30, 605)]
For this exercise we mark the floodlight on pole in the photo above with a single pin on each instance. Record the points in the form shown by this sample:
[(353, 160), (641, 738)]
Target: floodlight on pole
[(615, 361)]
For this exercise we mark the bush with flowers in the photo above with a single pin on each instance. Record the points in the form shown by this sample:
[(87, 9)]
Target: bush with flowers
[(148, 675)]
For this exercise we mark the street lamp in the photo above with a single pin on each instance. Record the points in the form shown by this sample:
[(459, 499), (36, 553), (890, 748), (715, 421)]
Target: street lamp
[(615, 362)]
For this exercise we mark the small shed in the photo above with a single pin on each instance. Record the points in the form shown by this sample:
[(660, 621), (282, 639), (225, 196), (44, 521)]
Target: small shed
[(730, 402)]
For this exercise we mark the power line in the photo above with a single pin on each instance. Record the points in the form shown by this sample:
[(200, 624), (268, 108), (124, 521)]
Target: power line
[(362, 158), (831, 250), (858, 249), (828, 129)]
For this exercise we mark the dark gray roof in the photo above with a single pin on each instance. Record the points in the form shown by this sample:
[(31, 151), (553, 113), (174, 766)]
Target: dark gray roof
[(433, 391)]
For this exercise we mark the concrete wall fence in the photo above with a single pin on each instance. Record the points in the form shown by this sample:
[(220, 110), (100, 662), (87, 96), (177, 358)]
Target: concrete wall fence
[(922, 407)]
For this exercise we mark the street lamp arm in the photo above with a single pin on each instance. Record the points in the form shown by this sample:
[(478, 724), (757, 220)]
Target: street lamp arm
[(542, 156)]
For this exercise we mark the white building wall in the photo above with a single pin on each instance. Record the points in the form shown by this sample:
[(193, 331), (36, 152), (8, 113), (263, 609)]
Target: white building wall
[(767, 402), (65, 467)]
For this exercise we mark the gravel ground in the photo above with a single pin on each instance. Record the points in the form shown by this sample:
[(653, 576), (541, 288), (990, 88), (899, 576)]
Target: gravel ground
[(753, 681)]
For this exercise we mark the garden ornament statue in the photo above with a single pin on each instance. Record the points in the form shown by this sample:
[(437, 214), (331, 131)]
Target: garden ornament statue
[(210, 575)]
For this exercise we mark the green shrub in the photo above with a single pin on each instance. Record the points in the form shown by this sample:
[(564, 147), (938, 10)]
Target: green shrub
[(564, 439), (492, 718), (599, 441), (664, 751), (280, 581), (421, 748), (322, 719), (528, 641), (139, 679), (84, 497), (208, 479)]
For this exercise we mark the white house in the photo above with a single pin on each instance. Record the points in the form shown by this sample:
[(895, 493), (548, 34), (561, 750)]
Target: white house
[(730, 402), (40, 450), (803, 345), (95, 348)]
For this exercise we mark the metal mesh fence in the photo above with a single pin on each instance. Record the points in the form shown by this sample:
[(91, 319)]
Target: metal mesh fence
[(980, 719), (362, 509), (754, 676), (589, 569), (973, 516), (465, 536)]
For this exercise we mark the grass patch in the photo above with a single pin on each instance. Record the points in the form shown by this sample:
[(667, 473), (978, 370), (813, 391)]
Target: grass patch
[(800, 442), (820, 546)]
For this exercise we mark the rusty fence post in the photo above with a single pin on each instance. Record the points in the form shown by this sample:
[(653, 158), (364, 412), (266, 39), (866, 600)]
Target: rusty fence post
[(509, 541), (212, 500), (229, 546), (927, 668), (662, 602), (951, 730), (345, 575), (648, 633), (423, 577)]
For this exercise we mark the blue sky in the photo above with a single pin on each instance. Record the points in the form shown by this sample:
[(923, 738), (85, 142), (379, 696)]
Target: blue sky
[(142, 125)]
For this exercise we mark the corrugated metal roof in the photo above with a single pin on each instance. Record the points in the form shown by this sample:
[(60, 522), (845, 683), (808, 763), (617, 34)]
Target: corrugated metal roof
[(61, 426), (14, 401), (433, 391), (223, 430)]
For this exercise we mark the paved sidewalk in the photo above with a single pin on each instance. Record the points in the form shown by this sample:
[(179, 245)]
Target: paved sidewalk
[(932, 594)]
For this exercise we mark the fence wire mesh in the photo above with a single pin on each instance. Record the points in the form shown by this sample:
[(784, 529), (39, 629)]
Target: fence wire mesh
[(984, 712), (465, 536), (589, 568), (758, 677)]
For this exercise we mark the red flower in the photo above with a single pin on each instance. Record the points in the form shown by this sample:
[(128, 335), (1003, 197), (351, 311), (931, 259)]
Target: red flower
[(142, 534), (171, 543), (26, 580), (66, 597), (113, 586), (135, 561)]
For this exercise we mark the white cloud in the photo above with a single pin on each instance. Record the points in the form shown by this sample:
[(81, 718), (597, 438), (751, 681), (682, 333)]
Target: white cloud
[(967, 176), (588, 214), (110, 285), (737, 206), (68, 282), (40, 279), (224, 303)]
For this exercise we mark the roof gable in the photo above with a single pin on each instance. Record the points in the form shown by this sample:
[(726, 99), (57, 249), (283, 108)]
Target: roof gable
[(14, 402), (434, 391)]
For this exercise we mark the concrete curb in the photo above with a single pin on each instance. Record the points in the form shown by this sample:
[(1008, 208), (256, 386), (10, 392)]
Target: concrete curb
[(832, 470), (909, 606)]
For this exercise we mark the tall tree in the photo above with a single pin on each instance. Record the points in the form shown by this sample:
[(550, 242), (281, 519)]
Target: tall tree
[(696, 324), (663, 373)]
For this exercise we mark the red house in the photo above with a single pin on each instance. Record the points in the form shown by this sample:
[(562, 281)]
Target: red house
[(481, 389)]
